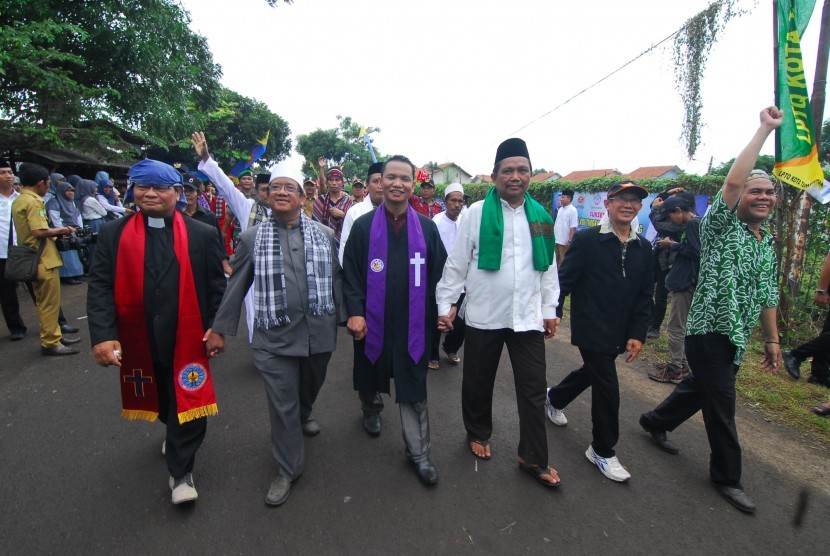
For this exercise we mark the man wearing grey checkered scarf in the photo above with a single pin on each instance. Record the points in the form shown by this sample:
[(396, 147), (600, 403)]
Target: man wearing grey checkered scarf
[(292, 264)]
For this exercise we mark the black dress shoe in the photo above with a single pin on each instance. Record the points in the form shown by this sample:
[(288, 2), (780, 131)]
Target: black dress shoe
[(371, 424), (791, 364), (69, 329), (72, 281), (426, 472), (70, 341), (59, 350), (659, 437), (17, 335), (737, 497), (822, 380)]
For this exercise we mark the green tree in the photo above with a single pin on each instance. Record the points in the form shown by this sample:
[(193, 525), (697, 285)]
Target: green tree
[(539, 171), (133, 63), (340, 146), (824, 144), (765, 162), (232, 128)]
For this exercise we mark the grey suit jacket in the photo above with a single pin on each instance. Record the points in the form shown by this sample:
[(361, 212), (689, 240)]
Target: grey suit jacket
[(306, 334)]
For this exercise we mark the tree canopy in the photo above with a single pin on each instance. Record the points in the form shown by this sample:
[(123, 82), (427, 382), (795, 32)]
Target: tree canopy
[(765, 162), (134, 63), (340, 146), (231, 129)]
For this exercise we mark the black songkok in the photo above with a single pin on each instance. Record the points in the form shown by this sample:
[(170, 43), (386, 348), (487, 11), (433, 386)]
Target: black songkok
[(512, 147), (263, 178), (375, 168)]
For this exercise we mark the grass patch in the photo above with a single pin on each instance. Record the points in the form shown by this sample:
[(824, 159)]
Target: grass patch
[(775, 395)]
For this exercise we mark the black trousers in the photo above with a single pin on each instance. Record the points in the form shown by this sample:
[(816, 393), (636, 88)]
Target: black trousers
[(599, 372), (452, 341), (312, 376), (9, 303), (819, 349), (481, 361), (710, 388), (370, 401), (182, 440), (661, 298)]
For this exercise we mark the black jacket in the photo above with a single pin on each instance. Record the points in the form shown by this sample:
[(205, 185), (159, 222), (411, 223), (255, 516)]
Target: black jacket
[(686, 267), (160, 288), (609, 305)]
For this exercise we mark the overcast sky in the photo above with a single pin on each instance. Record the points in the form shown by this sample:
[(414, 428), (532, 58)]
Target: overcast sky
[(447, 80)]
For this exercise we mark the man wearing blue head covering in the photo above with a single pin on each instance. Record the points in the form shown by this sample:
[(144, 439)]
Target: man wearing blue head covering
[(154, 287)]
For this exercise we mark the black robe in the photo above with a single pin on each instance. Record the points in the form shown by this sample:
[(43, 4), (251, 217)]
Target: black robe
[(394, 361)]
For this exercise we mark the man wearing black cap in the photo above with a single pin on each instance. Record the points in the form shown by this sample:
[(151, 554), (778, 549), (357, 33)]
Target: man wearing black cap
[(358, 191), (371, 401), (426, 203), (8, 290), (567, 222), (192, 189), (680, 281), (609, 274), (504, 254)]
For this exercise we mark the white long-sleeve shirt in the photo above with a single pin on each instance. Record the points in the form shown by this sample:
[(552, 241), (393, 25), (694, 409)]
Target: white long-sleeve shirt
[(447, 229), (355, 211), (92, 209), (6, 225), (239, 204), (117, 208), (516, 296)]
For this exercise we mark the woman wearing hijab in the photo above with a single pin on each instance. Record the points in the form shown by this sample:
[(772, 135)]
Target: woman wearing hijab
[(54, 181), (63, 212), (108, 200)]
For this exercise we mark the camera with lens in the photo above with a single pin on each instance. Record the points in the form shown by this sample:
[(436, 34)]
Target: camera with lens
[(78, 241)]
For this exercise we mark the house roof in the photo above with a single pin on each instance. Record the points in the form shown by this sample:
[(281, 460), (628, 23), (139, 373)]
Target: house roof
[(546, 176), (446, 165), (580, 175), (646, 172), (482, 178)]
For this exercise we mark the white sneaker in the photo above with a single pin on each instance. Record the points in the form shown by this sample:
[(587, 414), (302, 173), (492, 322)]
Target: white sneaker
[(556, 416), (610, 467), (183, 489)]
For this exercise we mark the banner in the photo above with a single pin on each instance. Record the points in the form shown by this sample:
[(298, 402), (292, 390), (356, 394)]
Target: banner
[(254, 153), (796, 155), (590, 208)]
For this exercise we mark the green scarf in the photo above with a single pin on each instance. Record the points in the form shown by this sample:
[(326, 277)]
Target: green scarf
[(491, 233)]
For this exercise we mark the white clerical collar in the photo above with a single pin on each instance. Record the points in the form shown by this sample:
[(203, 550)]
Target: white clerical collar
[(155, 222)]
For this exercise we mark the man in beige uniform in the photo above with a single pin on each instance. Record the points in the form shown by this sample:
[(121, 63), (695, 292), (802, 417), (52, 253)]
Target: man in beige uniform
[(32, 228)]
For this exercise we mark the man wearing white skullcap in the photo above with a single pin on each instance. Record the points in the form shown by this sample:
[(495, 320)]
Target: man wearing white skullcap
[(448, 222), (295, 317)]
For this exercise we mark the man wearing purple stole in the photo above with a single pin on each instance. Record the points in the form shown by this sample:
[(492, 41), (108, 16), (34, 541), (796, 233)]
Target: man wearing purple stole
[(393, 260)]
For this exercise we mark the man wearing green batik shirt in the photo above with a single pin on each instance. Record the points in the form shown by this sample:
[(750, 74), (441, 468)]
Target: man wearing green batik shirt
[(736, 286)]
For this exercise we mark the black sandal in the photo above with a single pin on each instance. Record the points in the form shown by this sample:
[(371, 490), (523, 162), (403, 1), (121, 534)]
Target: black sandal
[(821, 410), (537, 473), (483, 443)]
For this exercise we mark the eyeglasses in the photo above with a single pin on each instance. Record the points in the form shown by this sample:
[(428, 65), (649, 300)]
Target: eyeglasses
[(628, 200), (276, 188), (160, 188)]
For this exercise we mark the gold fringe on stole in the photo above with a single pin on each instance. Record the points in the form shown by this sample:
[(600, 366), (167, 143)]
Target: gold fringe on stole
[(196, 413), (134, 414)]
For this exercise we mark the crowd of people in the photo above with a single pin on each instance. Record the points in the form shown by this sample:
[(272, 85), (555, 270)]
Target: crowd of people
[(175, 258)]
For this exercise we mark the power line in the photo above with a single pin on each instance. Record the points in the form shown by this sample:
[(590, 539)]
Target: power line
[(588, 88)]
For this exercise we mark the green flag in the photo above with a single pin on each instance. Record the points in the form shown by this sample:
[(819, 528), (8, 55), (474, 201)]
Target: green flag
[(796, 155)]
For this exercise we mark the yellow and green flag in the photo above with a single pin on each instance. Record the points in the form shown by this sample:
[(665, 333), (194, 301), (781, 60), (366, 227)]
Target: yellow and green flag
[(796, 155)]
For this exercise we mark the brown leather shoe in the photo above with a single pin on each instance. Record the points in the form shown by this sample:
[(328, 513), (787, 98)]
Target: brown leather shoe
[(59, 350), (70, 341)]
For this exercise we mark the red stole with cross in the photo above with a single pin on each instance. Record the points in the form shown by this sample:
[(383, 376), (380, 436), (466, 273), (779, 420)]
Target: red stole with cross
[(195, 397)]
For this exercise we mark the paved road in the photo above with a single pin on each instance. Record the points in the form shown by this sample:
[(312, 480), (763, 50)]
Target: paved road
[(76, 478)]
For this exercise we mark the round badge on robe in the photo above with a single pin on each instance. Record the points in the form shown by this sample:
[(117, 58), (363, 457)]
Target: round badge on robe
[(376, 265), (192, 377)]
